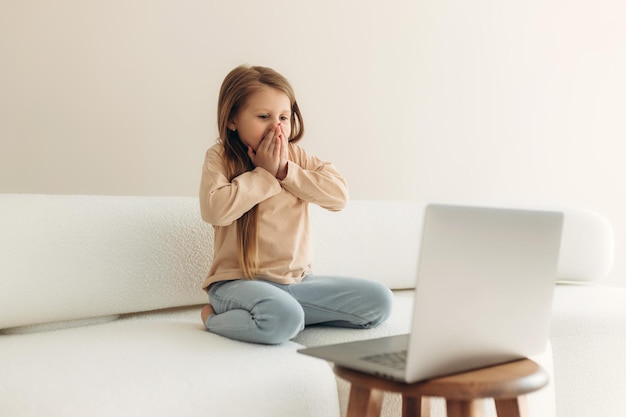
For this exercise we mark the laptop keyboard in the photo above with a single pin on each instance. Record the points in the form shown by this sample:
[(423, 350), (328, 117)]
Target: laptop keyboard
[(396, 360)]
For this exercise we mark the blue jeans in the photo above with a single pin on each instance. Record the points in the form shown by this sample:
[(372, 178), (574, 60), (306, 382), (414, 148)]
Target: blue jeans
[(264, 312)]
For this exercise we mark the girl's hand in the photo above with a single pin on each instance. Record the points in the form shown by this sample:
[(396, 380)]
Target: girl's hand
[(284, 156), (268, 153)]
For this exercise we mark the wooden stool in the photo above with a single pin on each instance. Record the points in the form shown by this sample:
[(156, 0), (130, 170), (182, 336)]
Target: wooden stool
[(507, 384)]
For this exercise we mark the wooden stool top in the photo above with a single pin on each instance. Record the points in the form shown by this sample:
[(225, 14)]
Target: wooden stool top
[(508, 380)]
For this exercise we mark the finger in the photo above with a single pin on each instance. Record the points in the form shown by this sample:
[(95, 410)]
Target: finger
[(282, 137), (279, 146), (266, 138), (285, 148), (251, 153), (271, 144)]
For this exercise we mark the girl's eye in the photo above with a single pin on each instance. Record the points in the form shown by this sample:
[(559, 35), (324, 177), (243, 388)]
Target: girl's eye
[(267, 116)]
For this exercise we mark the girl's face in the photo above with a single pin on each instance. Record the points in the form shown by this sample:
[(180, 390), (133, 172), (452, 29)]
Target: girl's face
[(262, 112)]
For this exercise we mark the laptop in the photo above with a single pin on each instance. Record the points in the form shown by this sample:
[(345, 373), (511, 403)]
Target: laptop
[(483, 296)]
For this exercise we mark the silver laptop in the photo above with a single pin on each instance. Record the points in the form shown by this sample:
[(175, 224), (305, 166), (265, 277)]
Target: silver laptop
[(483, 296)]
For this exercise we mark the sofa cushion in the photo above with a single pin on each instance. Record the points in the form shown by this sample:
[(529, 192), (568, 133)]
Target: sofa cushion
[(587, 248), (588, 334), (161, 364), (76, 257), (380, 240)]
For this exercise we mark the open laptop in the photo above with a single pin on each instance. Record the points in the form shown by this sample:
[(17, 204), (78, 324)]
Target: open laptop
[(483, 296)]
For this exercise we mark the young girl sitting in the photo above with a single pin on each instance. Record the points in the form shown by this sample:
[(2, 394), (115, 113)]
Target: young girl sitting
[(255, 190)]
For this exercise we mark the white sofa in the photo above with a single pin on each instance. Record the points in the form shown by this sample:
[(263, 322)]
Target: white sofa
[(100, 302)]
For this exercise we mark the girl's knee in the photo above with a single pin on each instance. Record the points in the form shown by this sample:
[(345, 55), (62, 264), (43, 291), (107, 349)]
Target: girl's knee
[(278, 320), (382, 304)]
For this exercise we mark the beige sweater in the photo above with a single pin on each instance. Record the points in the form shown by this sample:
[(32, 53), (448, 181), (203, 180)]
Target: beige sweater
[(283, 222)]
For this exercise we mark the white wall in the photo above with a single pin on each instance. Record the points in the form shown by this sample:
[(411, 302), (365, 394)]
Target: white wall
[(446, 100)]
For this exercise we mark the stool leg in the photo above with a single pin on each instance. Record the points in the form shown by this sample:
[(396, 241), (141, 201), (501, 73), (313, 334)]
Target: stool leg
[(467, 408), (364, 402), (512, 407), (415, 406)]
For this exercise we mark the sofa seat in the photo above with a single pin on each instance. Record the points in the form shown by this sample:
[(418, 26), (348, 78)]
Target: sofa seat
[(158, 364), (163, 363), (588, 336)]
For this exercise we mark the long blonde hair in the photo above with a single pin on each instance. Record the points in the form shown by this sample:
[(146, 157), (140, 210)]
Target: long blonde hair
[(238, 85)]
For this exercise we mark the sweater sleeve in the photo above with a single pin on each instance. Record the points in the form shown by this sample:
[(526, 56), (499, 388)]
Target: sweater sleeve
[(223, 201), (314, 180)]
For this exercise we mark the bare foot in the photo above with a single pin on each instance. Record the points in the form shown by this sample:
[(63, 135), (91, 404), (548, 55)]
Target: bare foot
[(206, 311)]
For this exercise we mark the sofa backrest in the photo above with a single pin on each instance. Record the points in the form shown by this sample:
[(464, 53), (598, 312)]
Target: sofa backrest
[(379, 240), (79, 257), (75, 257)]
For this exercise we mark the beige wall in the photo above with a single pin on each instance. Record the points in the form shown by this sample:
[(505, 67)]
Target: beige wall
[(448, 100)]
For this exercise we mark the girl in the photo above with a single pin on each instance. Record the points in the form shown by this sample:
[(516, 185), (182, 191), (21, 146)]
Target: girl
[(255, 190)]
